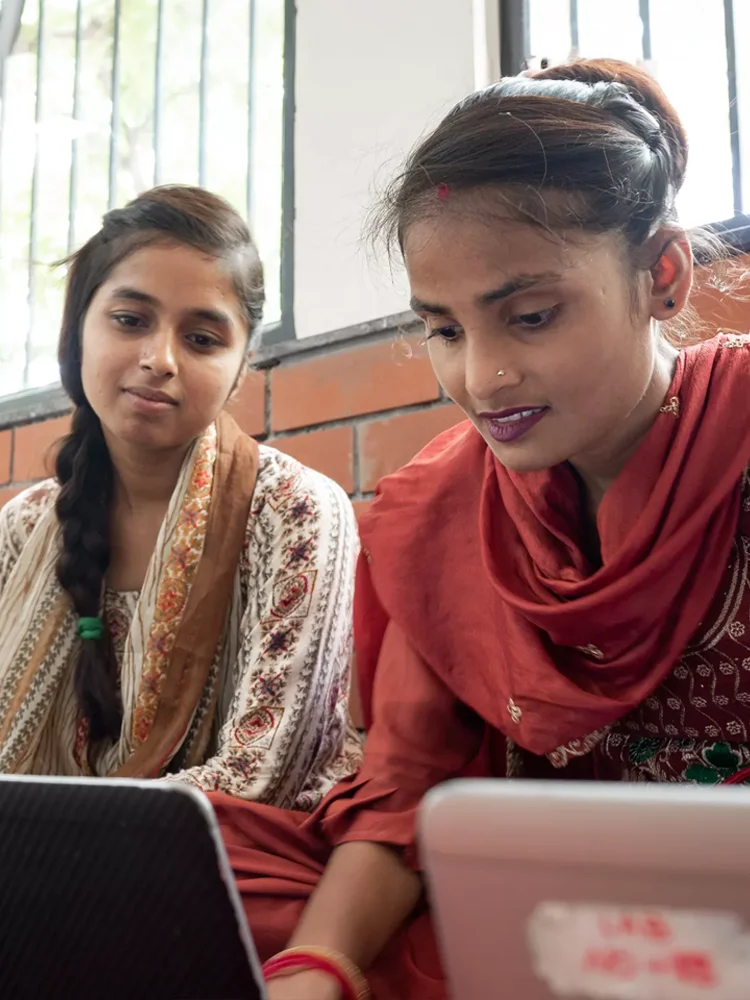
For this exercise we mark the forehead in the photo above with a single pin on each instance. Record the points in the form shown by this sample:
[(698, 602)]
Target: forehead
[(470, 247), (179, 277)]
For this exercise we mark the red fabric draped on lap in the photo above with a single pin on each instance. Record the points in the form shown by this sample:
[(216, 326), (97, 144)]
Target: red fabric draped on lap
[(483, 570), (277, 857)]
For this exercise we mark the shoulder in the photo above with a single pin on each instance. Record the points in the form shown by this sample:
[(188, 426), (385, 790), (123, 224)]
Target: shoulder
[(21, 515), (722, 350), (289, 492), (731, 341)]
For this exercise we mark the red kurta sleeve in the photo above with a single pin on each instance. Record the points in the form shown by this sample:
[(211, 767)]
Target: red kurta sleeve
[(420, 736)]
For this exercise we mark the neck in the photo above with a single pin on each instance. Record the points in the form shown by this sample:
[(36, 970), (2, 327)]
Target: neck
[(144, 478), (599, 469)]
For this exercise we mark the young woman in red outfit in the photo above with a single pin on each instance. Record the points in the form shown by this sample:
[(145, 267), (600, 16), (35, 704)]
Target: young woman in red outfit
[(558, 587)]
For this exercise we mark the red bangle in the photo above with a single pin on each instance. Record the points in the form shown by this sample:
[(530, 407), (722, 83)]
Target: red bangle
[(346, 974)]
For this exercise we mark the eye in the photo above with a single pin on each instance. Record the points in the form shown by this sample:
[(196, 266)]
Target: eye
[(203, 340), (535, 320), (129, 321), (448, 334)]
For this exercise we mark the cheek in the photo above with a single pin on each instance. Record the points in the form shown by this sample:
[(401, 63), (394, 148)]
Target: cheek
[(99, 365), (448, 366), (209, 383), (608, 373)]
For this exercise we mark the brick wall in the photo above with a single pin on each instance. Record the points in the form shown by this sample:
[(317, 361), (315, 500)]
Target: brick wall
[(355, 413)]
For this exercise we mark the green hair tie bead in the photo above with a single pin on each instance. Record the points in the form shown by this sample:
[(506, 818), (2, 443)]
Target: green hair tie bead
[(90, 628)]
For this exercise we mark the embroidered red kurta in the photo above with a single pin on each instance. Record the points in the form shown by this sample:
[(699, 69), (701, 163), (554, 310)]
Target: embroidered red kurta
[(488, 645)]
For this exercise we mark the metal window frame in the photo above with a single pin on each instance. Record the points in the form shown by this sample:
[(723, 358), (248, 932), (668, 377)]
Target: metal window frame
[(31, 405), (515, 50), (284, 330), (734, 121), (515, 41)]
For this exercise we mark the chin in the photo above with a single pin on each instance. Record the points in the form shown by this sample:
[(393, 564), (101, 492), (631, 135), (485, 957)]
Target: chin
[(523, 458), (143, 435)]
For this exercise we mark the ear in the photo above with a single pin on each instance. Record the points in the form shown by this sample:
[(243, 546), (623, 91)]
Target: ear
[(671, 274)]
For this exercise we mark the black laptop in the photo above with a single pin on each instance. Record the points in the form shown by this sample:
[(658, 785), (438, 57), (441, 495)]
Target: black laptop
[(118, 890)]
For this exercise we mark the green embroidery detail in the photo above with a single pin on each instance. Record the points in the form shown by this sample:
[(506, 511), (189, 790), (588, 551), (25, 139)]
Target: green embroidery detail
[(722, 757), (721, 762), (643, 748), (703, 775)]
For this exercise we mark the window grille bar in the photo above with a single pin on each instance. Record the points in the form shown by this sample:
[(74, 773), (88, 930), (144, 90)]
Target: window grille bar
[(203, 96), (575, 39), (734, 118), (3, 106), (73, 183), (250, 110), (34, 197), (514, 36), (158, 94), (645, 12), (16, 11), (114, 124)]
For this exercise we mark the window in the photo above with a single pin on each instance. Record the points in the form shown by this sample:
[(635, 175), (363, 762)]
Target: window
[(101, 99), (698, 50)]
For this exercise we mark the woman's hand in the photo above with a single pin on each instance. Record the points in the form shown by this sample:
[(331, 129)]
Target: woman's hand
[(312, 985)]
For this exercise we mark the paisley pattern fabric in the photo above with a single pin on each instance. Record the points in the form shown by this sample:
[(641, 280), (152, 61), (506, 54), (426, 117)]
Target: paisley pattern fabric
[(272, 723)]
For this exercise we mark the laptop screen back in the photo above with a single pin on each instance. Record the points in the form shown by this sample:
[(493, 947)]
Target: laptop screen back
[(590, 892), (114, 889)]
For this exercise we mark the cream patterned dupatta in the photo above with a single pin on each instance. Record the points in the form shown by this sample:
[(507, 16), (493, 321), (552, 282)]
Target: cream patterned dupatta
[(188, 599)]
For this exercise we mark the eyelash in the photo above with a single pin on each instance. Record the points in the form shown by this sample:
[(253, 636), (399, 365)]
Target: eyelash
[(121, 319), (212, 341), (549, 315)]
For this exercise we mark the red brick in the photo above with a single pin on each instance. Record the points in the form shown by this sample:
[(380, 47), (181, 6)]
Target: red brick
[(248, 407), (361, 507), (7, 494), (386, 445), (348, 383), (34, 449), (6, 445), (329, 451)]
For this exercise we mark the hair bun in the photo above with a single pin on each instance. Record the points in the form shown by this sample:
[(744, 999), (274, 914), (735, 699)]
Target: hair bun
[(643, 88)]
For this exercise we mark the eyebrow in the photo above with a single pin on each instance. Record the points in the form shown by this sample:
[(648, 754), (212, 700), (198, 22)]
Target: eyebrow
[(136, 295), (518, 284)]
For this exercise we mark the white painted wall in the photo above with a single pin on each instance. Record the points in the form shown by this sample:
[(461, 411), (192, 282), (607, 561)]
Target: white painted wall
[(371, 77)]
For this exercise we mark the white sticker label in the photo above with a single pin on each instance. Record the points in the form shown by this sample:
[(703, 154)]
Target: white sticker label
[(619, 953)]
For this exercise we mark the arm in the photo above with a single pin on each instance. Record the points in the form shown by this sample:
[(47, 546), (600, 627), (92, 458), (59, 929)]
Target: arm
[(385, 891), (420, 736), (286, 722)]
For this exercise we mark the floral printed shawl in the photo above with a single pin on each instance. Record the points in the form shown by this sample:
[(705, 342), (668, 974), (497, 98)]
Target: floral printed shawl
[(189, 592)]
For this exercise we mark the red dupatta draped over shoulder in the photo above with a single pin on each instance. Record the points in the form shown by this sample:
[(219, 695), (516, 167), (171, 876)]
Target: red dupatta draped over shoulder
[(483, 569)]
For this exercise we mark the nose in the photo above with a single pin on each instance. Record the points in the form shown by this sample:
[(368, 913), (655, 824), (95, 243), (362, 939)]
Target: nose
[(489, 369), (159, 355)]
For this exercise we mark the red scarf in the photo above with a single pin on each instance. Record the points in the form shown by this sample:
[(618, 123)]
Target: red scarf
[(483, 569)]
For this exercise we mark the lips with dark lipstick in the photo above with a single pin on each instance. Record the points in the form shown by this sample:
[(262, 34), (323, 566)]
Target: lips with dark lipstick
[(507, 426)]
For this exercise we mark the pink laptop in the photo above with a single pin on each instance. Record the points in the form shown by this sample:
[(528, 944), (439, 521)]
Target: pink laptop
[(590, 891)]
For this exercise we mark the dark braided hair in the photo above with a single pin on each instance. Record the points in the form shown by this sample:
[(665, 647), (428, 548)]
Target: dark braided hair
[(182, 215)]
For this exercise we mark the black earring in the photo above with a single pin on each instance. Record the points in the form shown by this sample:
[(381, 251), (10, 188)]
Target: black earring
[(669, 303)]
